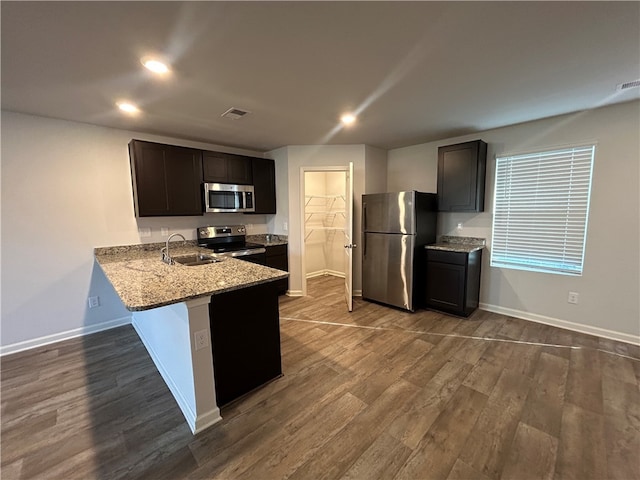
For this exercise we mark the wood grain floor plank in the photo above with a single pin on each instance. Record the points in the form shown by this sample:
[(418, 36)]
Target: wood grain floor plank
[(532, 456), (411, 426), (462, 471), (618, 367), (584, 381), (304, 439), (382, 459), (622, 440), (543, 409), (485, 373), (582, 449), (434, 360), (337, 456), (491, 437), (409, 404), (441, 446)]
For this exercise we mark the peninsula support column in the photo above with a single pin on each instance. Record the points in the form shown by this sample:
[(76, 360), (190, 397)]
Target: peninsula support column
[(169, 334)]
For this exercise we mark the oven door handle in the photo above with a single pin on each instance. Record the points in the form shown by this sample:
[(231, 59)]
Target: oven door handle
[(242, 253)]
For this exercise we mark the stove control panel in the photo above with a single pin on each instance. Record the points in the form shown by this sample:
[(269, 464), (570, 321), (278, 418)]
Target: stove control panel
[(222, 231)]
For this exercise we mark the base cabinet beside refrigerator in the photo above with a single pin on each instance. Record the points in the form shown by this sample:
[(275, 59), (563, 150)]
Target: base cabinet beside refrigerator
[(453, 281)]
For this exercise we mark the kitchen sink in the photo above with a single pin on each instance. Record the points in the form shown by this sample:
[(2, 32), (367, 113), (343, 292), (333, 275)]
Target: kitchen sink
[(194, 259)]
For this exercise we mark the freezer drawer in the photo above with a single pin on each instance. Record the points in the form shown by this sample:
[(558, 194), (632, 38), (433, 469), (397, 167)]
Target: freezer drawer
[(387, 269)]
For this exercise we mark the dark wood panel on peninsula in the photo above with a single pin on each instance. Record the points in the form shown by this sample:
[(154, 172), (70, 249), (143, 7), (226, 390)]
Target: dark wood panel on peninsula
[(245, 333)]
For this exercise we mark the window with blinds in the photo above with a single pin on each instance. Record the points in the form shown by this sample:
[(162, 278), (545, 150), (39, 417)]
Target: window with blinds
[(541, 206)]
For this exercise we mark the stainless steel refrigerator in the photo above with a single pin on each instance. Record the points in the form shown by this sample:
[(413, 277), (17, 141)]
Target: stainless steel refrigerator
[(395, 229)]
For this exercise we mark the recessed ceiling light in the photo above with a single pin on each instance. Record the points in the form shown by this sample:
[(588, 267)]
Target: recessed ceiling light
[(348, 119), (128, 107), (156, 66)]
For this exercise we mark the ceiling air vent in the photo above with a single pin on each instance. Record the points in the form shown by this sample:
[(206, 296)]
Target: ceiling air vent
[(624, 86), (235, 113)]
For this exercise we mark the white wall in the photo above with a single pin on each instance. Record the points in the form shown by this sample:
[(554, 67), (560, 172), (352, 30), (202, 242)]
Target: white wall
[(66, 188), (313, 156), (413, 168), (610, 285), (375, 175)]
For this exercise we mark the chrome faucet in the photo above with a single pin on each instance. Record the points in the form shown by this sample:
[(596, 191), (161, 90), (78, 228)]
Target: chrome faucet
[(166, 258)]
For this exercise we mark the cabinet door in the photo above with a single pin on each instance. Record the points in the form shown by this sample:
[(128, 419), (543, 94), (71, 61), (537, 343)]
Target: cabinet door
[(166, 179), (264, 182), (446, 286), (277, 258), (221, 167), (461, 177)]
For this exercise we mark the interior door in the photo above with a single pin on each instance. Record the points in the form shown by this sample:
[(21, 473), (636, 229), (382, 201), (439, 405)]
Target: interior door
[(348, 235)]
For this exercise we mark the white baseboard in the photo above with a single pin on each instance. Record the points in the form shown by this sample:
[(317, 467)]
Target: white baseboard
[(556, 322), (298, 293), (58, 337), (319, 273)]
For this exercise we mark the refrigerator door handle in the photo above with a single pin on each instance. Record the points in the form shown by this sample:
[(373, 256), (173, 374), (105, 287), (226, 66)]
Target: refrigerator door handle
[(364, 216)]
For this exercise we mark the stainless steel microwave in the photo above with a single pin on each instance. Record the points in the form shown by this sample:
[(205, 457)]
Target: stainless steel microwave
[(223, 197)]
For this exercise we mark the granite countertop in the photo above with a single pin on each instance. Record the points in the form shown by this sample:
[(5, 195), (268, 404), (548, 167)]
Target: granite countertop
[(268, 239), (458, 244), (143, 281)]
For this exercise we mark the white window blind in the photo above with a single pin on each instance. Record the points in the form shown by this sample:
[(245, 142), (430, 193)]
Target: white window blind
[(541, 206)]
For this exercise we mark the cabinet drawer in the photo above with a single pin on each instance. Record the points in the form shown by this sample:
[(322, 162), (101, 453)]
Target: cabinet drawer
[(442, 256), (274, 250)]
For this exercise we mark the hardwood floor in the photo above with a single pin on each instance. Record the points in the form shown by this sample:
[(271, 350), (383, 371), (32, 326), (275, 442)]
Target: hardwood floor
[(375, 394)]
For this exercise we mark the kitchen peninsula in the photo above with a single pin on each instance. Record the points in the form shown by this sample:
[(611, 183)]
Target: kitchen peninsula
[(174, 308)]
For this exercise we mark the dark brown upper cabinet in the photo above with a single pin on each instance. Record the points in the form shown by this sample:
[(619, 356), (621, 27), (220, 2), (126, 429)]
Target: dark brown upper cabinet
[(221, 167), (166, 179), (264, 183), (461, 176)]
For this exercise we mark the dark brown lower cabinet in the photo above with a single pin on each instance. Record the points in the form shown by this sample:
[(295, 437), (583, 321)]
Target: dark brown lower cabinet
[(245, 337), (277, 258), (453, 281)]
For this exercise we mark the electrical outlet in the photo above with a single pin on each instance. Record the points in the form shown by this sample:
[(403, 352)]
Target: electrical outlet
[(144, 232), (285, 226), (201, 339), (459, 226), (164, 231), (94, 302), (573, 298)]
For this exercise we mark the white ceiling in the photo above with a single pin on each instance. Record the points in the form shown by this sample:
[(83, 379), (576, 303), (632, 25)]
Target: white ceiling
[(415, 71)]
